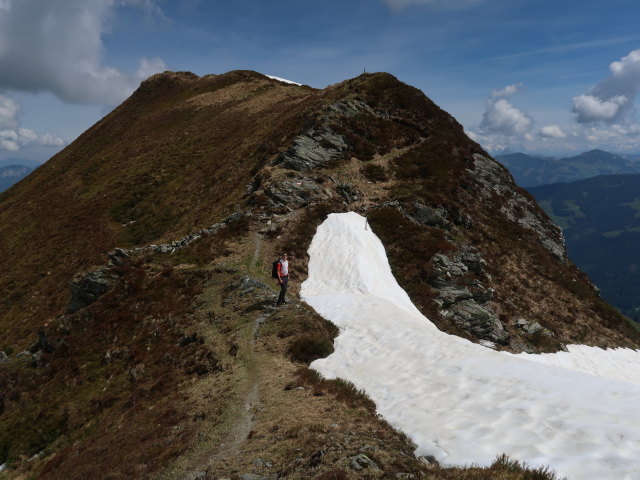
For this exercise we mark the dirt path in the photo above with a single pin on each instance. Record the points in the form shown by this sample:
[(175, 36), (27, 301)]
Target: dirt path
[(249, 401)]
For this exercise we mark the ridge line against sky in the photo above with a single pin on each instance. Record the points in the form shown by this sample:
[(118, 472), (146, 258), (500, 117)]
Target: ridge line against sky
[(535, 76)]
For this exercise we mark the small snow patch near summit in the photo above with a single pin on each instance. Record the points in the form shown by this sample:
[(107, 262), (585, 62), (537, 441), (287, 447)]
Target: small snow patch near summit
[(458, 401), (283, 80)]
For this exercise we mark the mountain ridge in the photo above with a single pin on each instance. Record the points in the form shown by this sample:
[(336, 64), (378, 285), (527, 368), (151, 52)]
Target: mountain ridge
[(166, 215), (532, 170)]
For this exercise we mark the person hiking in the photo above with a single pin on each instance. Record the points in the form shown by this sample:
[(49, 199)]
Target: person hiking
[(283, 277)]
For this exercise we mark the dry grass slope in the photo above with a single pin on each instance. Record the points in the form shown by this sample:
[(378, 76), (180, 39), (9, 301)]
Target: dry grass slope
[(183, 367)]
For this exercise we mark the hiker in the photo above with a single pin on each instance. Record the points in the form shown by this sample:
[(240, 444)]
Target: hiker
[(283, 277)]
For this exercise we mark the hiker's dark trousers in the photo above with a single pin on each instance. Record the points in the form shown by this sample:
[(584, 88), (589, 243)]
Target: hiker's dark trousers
[(283, 288)]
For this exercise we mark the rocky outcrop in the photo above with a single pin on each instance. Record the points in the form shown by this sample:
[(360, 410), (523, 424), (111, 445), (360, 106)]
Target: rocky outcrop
[(87, 288), (348, 192), (433, 217), (532, 328), (296, 192), (465, 300), (495, 181), (320, 144)]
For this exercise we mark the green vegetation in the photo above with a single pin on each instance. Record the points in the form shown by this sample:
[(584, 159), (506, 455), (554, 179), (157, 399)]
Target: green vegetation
[(602, 226)]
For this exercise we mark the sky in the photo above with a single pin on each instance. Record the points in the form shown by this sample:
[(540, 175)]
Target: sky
[(537, 76)]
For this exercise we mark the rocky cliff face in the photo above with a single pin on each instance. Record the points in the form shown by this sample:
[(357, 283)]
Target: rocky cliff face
[(163, 219)]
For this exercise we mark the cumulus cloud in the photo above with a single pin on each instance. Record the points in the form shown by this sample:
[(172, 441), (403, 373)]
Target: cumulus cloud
[(502, 117), (449, 4), (14, 140), (13, 137), (611, 100), (9, 111), (57, 46), (552, 131)]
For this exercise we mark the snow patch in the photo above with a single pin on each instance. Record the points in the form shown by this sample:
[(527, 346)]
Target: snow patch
[(284, 80), (461, 402)]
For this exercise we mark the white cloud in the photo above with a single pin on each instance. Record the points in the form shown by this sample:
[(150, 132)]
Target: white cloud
[(507, 91), (14, 140), (501, 117), (448, 4), (552, 131), (13, 137), (611, 100), (593, 109), (57, 46), (9, 111)]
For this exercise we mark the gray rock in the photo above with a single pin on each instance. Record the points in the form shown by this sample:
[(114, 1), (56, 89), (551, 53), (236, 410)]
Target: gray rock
[(433, 217), (314, 148), (348, 192), (478, 320), (473, 261), (260, 463), (428, 459), (3, 357), (534, 328), (481, 294), (252, 476), (116, 260), (295, 192), (86, 289), (233, 217), (494, 180), (521, 323), (405, 476), (361, 461), (451, 295), (461, 219), (350, 108), (319, 144), (445, 265)]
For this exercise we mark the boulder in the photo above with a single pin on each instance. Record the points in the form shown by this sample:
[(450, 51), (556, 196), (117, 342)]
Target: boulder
[(478, 320), (361, 461), (348, 192), (87, 288), (451, 295), (433, 217), (534, 328)]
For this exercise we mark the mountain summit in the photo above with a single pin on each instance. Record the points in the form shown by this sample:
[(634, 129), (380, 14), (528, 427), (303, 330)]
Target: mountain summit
[(138, 328)]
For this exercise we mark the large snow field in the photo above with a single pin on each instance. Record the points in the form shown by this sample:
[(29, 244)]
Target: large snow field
[(577, 412)]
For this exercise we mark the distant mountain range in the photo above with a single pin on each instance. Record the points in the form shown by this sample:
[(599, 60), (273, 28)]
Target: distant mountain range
[(8, 162), (12, 174), (532, 170), (600, 218)]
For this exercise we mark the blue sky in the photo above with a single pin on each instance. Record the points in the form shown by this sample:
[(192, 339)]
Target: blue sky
[(520, 75)]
